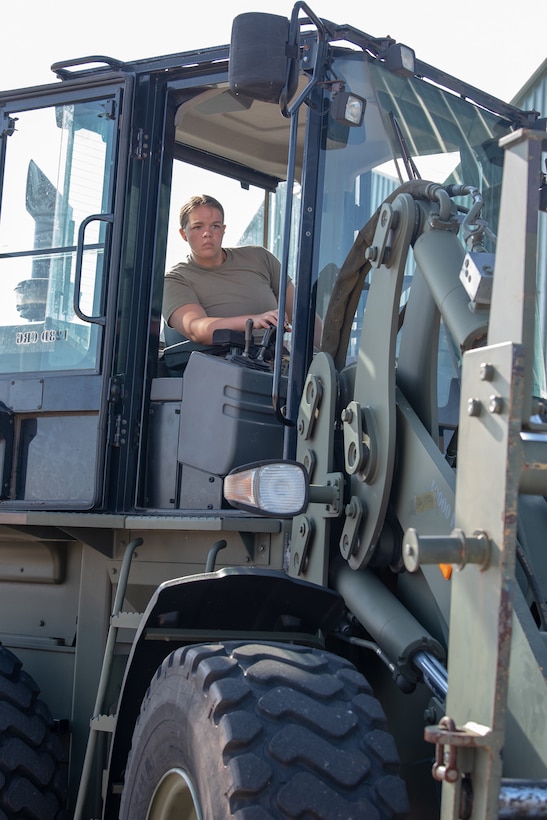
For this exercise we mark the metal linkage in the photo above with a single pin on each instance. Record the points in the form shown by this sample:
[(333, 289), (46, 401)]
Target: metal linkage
[(456, 548), (518, 799)]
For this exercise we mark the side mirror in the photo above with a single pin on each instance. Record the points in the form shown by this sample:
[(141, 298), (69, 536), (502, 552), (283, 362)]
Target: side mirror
[(263, 63)]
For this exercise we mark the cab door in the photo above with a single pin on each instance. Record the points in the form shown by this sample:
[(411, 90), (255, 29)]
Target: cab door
[(59, 148)]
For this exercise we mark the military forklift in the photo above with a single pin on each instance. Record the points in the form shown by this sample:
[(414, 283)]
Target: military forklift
[(298, 582)]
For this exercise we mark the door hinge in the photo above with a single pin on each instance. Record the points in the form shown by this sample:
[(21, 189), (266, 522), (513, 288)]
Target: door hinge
[(7, 125), (119, 438), (115, 390), (142, 147), (118, 424), (109, 108)]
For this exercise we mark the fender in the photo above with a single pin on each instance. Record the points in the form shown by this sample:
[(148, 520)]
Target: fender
[(247, 602)]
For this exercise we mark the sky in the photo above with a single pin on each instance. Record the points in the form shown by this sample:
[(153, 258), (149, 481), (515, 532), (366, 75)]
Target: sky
[(481, 43), (485, 43)]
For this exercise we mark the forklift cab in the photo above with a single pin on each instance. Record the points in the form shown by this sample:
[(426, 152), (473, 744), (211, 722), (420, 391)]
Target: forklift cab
[(94, 168)]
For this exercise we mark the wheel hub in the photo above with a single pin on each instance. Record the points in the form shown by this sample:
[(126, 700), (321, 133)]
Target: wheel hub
[(174, 798)]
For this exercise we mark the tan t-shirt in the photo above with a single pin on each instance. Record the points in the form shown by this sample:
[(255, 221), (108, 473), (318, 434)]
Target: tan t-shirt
[(246, 282)]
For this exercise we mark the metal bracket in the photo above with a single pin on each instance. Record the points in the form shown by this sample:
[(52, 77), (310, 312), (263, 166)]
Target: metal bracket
[(360, 441), (477, 276), (349, 538), (309, 460), (309, 406), (447, 738), (378, 254), (301, 542), (7, 125), (328, 494), (316, 426)]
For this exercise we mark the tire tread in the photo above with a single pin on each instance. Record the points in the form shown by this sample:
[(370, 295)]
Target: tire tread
[(297, 730), (32, 759)]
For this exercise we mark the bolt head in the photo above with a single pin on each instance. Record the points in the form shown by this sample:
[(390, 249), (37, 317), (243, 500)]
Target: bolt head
[(487, 372), (495, 404), (473, 407)]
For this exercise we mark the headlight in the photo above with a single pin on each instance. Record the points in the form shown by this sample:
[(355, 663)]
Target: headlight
[(348, 108), (401, 60), (277, 488)]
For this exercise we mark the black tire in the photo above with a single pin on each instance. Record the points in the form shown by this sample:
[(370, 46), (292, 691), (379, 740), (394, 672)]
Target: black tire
[(32, 759), (256, 731)]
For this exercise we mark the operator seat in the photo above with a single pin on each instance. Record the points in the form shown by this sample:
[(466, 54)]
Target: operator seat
[(178, 349), (172, 336)]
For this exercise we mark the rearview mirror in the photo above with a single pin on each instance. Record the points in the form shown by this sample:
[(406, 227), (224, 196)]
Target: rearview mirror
[(260, 58)]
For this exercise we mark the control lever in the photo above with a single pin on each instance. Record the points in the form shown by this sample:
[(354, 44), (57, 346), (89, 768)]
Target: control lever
[(267, 340), (249, 324)]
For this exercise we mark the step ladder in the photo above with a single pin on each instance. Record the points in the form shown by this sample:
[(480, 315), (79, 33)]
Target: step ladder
[(101, 722)]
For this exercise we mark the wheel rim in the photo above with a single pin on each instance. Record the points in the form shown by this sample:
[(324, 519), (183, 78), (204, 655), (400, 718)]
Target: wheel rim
[(174, 798)]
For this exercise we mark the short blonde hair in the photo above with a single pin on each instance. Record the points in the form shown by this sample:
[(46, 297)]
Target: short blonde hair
[(195, 202)]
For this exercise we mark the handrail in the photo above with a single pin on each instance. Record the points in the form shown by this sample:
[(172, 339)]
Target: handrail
[(292, 111), (96, 320)]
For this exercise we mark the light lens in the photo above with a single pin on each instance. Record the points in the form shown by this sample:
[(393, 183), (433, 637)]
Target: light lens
[(274, 488), (401, 60), (354, 110), (348, 108)]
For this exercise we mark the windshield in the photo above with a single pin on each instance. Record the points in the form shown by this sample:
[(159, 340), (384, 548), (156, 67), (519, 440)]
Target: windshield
[(444, 137), (412, 129)]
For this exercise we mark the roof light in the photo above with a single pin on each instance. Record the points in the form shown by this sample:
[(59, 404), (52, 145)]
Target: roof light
[(277, 488), (348, 108), (401, 60)]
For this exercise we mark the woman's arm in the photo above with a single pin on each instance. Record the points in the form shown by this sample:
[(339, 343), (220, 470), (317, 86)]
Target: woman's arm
[(192, 321)]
